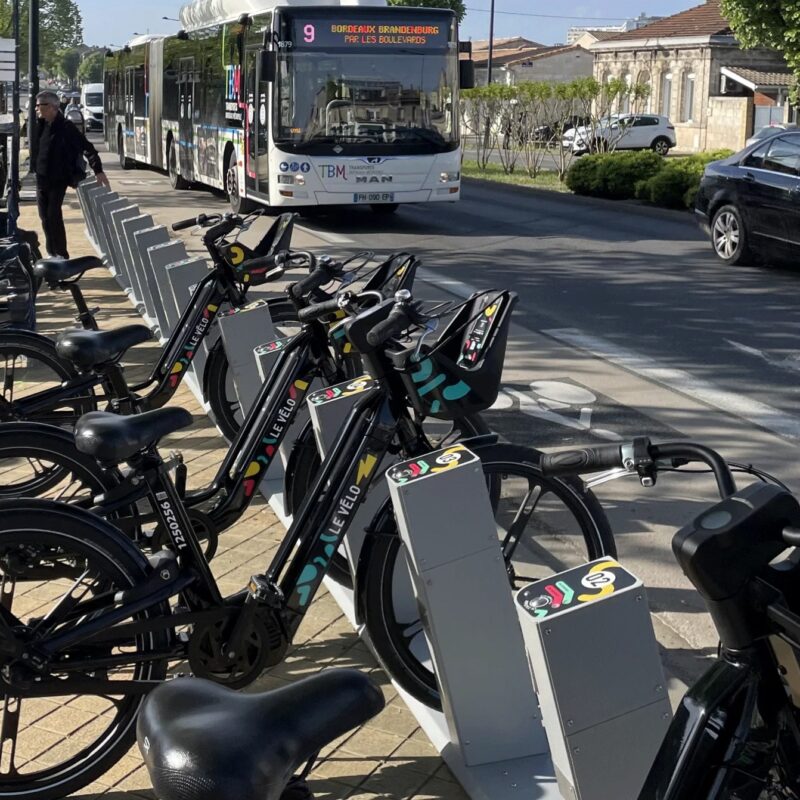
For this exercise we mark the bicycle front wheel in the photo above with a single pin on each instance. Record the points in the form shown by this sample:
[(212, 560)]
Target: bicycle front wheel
[(67, 724), (544, 526)]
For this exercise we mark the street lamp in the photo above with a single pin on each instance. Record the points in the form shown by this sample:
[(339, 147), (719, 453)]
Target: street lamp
[(491, 45), (170, 19)]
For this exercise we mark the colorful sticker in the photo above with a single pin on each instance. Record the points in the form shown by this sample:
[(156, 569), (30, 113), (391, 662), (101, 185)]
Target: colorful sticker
[(272, 347), (342, 390), (575, 587), (431, 464)]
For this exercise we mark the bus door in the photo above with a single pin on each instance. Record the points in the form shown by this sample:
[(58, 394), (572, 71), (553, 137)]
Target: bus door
[(185, 116), (130, 82), (257, 124)]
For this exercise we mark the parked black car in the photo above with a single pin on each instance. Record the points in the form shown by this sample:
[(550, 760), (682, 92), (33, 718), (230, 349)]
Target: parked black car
[(750, 203)]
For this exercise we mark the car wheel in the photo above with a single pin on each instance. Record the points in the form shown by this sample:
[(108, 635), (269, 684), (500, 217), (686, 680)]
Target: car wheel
[(729, 236), (661, 145)]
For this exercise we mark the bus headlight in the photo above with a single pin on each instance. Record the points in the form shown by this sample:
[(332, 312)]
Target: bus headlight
[(299, 180), (285, 178), (449, 177)]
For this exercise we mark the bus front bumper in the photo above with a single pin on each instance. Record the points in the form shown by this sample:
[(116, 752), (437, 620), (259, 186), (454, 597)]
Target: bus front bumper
[(290, 195)]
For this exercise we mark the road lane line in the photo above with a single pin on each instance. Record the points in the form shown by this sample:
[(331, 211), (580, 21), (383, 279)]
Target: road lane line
[(326, 236), (435, 278), (771, 419)]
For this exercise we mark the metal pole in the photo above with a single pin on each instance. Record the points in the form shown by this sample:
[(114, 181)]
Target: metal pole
[(13, 189), (491, 45), (33, 66)]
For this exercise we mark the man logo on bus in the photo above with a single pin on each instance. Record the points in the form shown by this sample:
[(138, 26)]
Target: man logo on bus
[(334, 171)]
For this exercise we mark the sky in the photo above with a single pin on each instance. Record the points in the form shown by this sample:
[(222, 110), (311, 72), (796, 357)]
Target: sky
[(113, 22)]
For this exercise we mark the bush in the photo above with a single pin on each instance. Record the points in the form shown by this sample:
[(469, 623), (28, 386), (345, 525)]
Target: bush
[(618, 173), (582, 175), (644, 175), (613, 174)]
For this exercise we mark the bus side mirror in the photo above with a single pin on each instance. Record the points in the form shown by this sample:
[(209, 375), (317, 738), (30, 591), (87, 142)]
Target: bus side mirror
[(466, 73), (269, 64)]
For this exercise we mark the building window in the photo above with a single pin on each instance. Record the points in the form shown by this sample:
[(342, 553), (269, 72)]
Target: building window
[(666, 93), (643, 82), (687, 97), (625, 99)]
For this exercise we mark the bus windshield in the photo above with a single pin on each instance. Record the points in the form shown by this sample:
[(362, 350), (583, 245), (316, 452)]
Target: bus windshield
[(374, 100)]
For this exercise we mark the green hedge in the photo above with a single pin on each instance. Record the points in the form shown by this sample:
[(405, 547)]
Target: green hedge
[(670, 182)]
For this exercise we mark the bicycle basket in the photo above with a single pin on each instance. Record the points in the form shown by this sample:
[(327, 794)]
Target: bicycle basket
[(238, 255), (397, 272), (460, 374)]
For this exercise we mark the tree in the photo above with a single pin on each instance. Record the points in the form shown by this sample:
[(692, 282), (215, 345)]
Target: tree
[(768, 23), (60, 27), (68, 62), (91, 68), (456, 5)]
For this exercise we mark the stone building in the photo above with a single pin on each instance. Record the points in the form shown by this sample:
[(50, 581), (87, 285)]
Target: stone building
[(714, 92), (512, 65)]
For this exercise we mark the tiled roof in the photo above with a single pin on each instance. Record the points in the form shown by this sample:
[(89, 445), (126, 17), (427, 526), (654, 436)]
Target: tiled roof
[(704, 20), (505, 43), (601, 36), (765, 77), (504, 57)]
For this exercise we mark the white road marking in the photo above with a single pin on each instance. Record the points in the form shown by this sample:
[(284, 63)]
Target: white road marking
[(792, 363), (435, 278), (326, 236), (753, 411)]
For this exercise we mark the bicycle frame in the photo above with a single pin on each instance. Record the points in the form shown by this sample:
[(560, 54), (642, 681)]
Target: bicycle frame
[(294, 575), (173, 364)]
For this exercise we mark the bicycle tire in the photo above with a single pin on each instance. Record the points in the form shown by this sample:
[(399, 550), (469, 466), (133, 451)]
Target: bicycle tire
[(306, 464), (383, 548), (218, 383), (62, 529), (48, 444), (47, 367)]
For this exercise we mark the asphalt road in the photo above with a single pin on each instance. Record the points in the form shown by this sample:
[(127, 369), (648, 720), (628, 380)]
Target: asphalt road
[(626, 325)]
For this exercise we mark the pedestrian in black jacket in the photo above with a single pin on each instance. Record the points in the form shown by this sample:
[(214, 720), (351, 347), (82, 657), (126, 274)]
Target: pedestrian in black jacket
[(55, 154)]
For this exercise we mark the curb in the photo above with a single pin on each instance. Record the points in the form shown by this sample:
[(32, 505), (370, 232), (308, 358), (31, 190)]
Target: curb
[(631, 206)]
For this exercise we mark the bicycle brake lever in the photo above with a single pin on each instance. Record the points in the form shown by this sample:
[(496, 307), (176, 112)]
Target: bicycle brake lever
[(431, 326)]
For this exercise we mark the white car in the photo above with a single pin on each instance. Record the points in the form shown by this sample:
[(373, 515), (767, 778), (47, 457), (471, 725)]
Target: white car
[(623, 132)]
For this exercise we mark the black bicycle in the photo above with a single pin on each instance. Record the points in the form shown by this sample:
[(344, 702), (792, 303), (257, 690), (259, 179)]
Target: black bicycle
[(38, 460), (736, 733), (87, 621), (57, 381)]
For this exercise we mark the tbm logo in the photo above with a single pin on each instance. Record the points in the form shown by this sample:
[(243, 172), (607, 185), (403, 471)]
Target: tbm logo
[(374, 179), (334, 171)]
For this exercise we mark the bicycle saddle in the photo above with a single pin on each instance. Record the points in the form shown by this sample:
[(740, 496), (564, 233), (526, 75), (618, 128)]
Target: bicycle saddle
[(54, 270), (202, 741), (111, 438), (88, 349)]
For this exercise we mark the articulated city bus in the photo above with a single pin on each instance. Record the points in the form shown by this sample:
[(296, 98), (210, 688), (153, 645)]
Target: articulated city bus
[(295, 105)]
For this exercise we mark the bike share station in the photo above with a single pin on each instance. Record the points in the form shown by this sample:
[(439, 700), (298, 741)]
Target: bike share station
[(567, 676)]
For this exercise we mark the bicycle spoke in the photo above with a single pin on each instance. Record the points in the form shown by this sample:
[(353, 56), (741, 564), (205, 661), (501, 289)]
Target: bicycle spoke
[(515, 530), (8, 735), (66, 604)]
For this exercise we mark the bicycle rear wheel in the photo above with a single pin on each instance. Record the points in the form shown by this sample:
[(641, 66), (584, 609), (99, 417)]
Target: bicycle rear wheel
[(60, 567), (544, 525), (29, 364), (39, 460)]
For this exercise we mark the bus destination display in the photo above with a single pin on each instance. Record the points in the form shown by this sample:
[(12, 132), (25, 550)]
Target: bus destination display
[(344, 33)]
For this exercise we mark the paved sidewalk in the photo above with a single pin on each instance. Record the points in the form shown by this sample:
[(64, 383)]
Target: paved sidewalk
[(388, 758)]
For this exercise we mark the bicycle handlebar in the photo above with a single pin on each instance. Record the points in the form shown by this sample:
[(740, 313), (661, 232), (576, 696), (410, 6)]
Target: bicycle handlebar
[(397, 321), (190, 222), (319, 310), (640, 456)]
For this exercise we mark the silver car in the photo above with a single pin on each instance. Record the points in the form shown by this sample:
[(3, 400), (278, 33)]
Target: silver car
[(769, 130)]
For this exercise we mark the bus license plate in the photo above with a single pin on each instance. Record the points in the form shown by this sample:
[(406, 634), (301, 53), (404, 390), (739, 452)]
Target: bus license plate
[(373, 197)]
